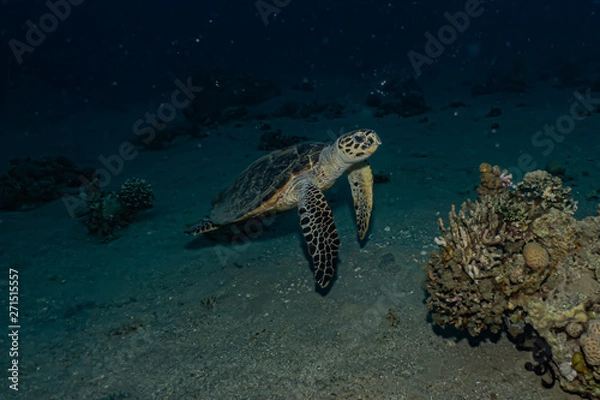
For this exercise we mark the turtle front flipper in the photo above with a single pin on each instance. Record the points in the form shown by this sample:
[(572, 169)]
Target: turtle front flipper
[(203, 226), (319, 232), (360, 177)]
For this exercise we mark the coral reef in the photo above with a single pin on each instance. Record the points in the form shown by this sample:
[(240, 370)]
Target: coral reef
[(590, 344), (517, 260), (535, 256), (493, 181), (32, 183), (111, 211)]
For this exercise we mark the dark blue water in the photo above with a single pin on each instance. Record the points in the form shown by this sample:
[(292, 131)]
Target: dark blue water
[(132, 49), (185, 94)]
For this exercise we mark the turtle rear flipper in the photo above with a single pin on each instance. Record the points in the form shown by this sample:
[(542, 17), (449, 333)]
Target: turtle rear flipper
[(320, 233), (360, 177), (203, 226)]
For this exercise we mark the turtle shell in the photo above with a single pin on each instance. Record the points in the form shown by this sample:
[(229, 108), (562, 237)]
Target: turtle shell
[(263, 180)]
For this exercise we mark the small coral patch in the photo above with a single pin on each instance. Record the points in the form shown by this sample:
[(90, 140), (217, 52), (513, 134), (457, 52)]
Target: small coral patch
[(536, 257)]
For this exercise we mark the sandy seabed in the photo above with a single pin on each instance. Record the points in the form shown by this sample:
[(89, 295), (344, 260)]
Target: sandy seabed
[(159, 315)]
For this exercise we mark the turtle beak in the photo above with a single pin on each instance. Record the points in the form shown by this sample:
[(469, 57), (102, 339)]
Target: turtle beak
[(376, 138), (371, 143)]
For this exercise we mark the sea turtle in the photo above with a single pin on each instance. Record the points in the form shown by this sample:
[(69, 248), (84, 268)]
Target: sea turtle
[(296, 177)]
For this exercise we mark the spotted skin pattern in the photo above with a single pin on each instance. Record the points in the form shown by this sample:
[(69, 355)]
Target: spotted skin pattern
[(203, 226), (296, 177), (360, 177), (358, 145), (320, 233)]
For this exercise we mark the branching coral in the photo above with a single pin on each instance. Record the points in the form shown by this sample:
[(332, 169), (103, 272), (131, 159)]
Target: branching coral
[(517, 256), (493, 180), (136, 195), (111, 211), (482, 248)]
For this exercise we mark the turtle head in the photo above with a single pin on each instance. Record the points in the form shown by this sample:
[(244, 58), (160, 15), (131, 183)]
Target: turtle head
[(357, 145)]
